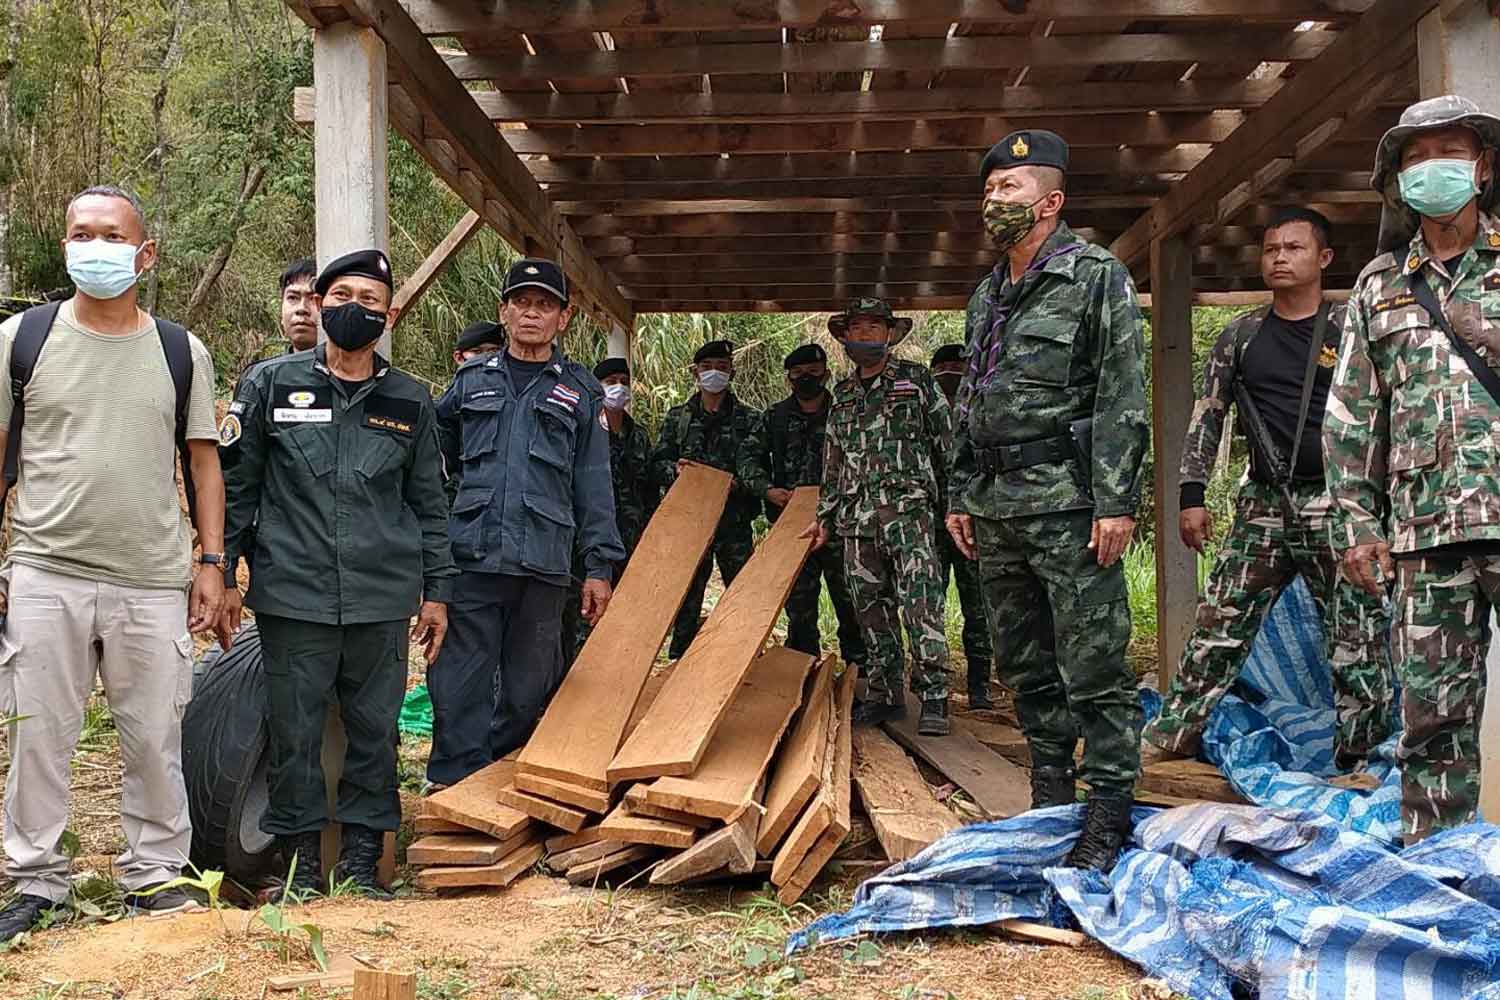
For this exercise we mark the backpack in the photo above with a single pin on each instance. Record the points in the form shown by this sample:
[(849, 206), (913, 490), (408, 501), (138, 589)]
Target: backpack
[(36, 325)]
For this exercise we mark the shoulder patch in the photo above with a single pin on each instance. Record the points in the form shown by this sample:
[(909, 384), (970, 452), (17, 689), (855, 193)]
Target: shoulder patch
[(229, 430), (1492, 281)]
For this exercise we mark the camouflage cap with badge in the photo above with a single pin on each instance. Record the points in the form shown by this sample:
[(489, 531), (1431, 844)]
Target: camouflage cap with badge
[(838, 323), (1398, 222)]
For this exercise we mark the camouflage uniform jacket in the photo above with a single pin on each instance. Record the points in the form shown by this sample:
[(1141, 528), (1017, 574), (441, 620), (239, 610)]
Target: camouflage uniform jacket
[(1206, 427), (884, 448), (630, 470), (786, 450), (1409, 436), (1071, 349), (712, 439)]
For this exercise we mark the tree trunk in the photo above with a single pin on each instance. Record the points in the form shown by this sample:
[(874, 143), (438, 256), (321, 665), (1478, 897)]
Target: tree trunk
[(7, 192), (169, 60), (221, 255)]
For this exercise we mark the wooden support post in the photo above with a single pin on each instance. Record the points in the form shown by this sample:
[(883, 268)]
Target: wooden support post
[(349, 144), (1172, 402), (1459, 53), (423, 277), (618, 345), (371, 984)]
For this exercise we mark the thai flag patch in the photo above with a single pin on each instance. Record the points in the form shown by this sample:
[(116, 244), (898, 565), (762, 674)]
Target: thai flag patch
[(564, 397), (904, 385)]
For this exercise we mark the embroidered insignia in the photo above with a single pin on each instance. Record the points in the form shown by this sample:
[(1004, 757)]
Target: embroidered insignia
[(301, 399), (562, 396), (1019, 149), (532, 270), (1413, 262), (229, 430), (1395, 302), (1328, 357), (236, 407), (1494, 240)]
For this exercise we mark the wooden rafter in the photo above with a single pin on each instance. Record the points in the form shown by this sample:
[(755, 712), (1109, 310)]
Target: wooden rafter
[(422, 278)]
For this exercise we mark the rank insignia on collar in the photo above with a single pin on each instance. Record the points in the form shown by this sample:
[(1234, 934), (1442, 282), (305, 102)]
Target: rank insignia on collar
[(1413, 262), (1494, 240), (1019, 149)]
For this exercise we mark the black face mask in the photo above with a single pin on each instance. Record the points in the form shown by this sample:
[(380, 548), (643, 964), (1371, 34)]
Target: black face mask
[(808, 387), (948, 382), (352, 326)]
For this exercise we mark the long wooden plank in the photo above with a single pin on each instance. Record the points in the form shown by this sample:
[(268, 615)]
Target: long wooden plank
[(590, 871), (549, 812), (569, 841), (461, 849), (838, 790), (565, 860), (900, 805), (730, 849), (799, 765), (590, 799), (723, 785), (586, 720), (807, 870), (635, 803), (631, 829), (426, 825), (822, 815), (675, 733), (427, 272), (502, 872), (472, 803), (997, 786)]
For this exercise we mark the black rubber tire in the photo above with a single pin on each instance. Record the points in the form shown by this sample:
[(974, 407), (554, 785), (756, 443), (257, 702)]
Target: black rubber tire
[(224, 749)]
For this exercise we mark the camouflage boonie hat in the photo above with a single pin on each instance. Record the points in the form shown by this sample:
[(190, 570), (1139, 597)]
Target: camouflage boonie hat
[(1436, 112), (838, 323)]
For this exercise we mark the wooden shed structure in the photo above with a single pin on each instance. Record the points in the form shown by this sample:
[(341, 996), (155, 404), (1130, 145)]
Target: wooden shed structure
[(754, 155)]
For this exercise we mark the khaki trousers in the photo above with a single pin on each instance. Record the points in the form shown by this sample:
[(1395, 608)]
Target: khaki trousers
[(60, 631)]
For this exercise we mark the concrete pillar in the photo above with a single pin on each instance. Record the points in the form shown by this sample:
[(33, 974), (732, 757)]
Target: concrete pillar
[(618, 342), (1460, 54), (349, 144), (1172, 404)]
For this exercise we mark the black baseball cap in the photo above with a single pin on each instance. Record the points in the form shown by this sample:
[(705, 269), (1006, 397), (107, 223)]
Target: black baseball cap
[(534, 272)]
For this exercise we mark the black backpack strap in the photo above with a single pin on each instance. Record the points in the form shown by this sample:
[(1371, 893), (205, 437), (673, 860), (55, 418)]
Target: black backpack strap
[(179, 354), (1309, 377), (36, 324), (778, 424), (1481, 371)]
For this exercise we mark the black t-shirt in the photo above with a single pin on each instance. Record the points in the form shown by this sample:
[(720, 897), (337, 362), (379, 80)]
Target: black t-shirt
[(522, 372), (1272, 367), (350, 388)]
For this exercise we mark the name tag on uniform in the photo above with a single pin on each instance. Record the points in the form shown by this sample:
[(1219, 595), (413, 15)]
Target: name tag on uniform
[(1394, 302), (398, 415), (303, 406)]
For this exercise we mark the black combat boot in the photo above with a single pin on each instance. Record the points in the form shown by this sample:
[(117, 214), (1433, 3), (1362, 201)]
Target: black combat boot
[(873, 713), (359, 860), (22, 914), (934, 718), (1052, 786), (307, 849), (1106, 827), (979, 684)]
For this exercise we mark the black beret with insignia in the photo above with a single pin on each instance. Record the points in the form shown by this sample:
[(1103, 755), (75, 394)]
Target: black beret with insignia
[(533, 272), (947, 353), (611, 366), (482, 332), (1028, 148), (364, 263), (714, 349), (807, 354)]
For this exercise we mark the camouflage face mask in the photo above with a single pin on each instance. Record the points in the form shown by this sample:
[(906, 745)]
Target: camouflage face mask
[(1008, 222)]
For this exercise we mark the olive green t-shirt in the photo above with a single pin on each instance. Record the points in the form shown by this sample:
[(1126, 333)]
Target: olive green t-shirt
[(97, 496)]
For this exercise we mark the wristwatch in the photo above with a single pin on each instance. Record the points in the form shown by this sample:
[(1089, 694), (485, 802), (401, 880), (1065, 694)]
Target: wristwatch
[(212, 558)]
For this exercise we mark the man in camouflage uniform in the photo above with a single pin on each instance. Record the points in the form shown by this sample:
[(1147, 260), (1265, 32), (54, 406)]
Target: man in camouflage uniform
[(709, 428), (1267, 350), (635, 495), (1410, 441), (787, 452), (948, 368), (882, 479), (1046, 468)]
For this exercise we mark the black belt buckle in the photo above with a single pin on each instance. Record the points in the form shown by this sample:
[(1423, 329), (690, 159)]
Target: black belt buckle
[(1012, 456)]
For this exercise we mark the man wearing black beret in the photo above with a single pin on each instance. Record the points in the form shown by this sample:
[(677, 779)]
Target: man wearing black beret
[(947, 370), (1051, 433), (338, 452), (635, 494), (477, 340), (786, 452), (523, 432), (709, 428)]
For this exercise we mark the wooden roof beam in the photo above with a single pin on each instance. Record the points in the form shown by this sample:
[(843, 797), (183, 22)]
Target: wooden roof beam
[(1336, 79), (901, 303)]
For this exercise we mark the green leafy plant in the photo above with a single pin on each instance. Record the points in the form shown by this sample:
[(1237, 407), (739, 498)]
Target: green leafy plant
[(274, 916)]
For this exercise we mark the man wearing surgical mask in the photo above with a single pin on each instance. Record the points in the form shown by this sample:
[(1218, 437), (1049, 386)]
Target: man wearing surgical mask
[(636, 496), (1412, 460), (710, 428), (338, 454), (99, 577)]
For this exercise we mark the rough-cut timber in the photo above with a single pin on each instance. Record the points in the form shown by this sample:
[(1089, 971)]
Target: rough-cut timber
[(590, 871), (424, 825), (637, 805), (623, 826), (461, 849), (502, 872), (583, 725), (997, 786), (675, 733), (799, 765), (568, 841), (730, 849), (565, 792), (823, 815), (376, 984), (549, 812), (724, 783), (900, 805), (1195, 780), (472, 803), (565, 860), (836, 790)]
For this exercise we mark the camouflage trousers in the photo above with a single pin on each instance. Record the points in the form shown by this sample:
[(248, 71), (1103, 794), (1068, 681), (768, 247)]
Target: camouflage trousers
[(824, 565), (976, 634), (1258, 560), (1440, 639), (894, 577), (1061, 624), (731, 548)]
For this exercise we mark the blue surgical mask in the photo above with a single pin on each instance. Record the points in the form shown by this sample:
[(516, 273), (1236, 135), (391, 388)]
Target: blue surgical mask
[(616, 396), (101, 269), (1436, 188), (713, 381)]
